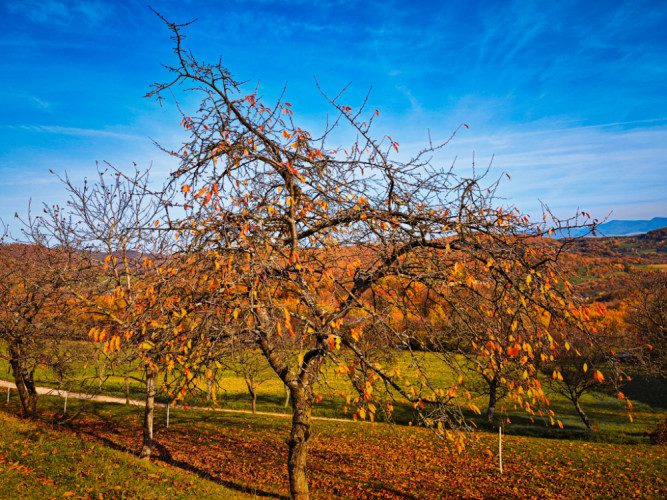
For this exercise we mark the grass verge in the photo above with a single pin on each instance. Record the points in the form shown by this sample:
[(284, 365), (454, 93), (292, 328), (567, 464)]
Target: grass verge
[(37, 462)]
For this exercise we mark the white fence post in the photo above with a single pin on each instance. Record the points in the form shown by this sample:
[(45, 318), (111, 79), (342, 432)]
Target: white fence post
[(65, 407), (500, 448), (168, 405)]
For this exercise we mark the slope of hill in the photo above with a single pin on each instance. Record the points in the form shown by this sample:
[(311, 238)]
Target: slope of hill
[(625, 227)]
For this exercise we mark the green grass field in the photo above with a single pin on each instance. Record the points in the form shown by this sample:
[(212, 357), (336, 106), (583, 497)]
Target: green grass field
[(238, 453), (37, 462), (230, 455), (608, 414)]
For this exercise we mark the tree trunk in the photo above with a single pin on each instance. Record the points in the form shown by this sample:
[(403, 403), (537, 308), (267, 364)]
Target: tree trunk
[(581, 413), (209, 389), (302, 404), (23, 378), (493, 397), (148, 415), (100, 373), (358, 380), (127, 387), (253, 393), (286, 396)]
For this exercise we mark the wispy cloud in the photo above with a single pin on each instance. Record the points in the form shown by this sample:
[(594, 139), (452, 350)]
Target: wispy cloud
[(78, 132), (90, 12), (28, 99)]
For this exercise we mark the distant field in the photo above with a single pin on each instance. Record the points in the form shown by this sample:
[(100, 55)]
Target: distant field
[(661, 267)]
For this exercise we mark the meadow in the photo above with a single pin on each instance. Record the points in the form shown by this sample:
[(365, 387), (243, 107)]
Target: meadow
[(231, 455)]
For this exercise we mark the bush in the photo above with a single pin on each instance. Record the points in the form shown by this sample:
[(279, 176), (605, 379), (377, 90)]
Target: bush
[(659, 435)]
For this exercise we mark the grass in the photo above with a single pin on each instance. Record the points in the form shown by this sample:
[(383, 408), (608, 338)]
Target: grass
[(346, 460), (660, 267), (37, 462), (606, 412)]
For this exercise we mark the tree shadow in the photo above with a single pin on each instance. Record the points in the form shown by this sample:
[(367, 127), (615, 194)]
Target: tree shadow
[(165, 456), (162, 454)]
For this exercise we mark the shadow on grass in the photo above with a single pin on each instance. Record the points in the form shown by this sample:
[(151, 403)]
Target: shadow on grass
[(647, 389), (165, 456), (162, 454)]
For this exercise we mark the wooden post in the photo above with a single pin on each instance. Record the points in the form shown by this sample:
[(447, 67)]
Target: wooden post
[(8, 389), (168, 415), (500, 448), (65, 408)]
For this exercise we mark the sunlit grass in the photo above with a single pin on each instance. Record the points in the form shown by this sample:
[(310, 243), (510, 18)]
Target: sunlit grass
[(608, 414), (36, 462)]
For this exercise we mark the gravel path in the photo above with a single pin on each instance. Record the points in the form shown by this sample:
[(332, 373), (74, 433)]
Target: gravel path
[(48, 391)]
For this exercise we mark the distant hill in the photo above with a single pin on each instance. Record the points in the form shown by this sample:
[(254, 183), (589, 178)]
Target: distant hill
[(627, 227), (655, 235)]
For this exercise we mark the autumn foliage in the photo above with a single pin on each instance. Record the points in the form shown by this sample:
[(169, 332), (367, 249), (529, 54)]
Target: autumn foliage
[(267, 240)]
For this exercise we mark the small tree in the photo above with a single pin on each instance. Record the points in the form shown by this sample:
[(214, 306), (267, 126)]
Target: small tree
[(250, 364), (141, 292), (647, 317), (33, 306), (577, 369)]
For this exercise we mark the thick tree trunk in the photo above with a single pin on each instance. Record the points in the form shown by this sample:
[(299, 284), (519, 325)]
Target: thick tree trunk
[(302, 404), (25, 384), (300, 387), (582, 415), (148, 415), (493, 397), (286, 396)]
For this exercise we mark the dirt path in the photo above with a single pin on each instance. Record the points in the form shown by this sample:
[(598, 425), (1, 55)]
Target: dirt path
[(48, 391)]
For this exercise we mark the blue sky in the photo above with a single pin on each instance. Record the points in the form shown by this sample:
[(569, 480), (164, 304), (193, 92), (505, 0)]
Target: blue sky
[(568, 98)]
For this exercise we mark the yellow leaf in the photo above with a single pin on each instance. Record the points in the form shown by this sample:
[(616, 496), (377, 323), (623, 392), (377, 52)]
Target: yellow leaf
[(585, 367)]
